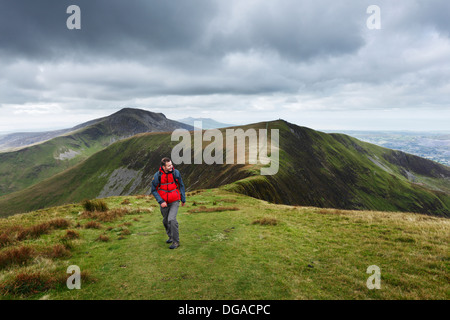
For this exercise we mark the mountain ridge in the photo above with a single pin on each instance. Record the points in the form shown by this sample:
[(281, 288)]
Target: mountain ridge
[(316, 169), (29, 165), (16, 140)]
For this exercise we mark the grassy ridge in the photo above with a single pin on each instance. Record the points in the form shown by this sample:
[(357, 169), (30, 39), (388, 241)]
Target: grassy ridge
[(316, 169), (260, 251), (141, 153), (336, 171)]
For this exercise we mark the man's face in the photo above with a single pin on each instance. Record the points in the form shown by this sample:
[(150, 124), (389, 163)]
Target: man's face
[(168, 166)]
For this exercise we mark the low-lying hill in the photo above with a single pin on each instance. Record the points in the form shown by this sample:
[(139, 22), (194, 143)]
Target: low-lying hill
[(30, 165), (315, 169), (232, 247)]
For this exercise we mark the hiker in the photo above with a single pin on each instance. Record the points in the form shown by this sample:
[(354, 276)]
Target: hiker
[(168, 190)]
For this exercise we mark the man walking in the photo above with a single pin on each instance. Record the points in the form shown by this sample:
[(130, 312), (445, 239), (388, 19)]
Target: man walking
[(168, 190)]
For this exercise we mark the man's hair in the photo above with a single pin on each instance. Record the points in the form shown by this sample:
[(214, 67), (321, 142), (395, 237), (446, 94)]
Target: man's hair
[(164, 161)]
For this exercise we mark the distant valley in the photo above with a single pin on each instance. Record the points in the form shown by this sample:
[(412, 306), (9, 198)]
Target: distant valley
[(428, 145)]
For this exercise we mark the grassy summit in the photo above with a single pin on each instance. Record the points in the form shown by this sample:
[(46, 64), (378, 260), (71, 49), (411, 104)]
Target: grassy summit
[(232, 247)]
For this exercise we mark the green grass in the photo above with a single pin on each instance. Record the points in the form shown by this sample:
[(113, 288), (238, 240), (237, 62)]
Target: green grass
[(33, 164), (315, 169), (261, 251)]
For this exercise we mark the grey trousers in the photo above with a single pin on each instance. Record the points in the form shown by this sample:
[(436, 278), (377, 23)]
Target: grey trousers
[(170, 222)]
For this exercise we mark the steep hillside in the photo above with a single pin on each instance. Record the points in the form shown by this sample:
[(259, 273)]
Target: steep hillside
[(338, 171), (25, 167), (316, 169)]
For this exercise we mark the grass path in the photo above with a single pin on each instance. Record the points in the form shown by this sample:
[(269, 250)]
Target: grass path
[(261, 251)]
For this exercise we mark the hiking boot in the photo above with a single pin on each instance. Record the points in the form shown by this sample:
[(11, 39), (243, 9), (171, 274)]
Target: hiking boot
[(169, 240), (174, 245)]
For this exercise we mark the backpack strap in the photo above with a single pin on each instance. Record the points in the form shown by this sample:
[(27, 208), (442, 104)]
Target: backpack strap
[(173, 177), (159, 180)]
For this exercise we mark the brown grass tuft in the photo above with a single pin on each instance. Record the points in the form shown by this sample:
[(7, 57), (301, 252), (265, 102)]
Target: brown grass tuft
[(85, 275), (17, 256), (9, 235), (5, 239), (125, 232), (26, 284), (125, 224), (331, 211), (105, 216), (71, 234), (36, 231), (215, 209), (57, 251), (228, 200), (266, 221), (92, 225), (94, 205), (59, 223), (103, 238), (192, 193)]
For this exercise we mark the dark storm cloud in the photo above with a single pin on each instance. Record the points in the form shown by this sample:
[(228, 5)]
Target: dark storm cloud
[(243, 55), (296, 30), (37, 29), (196, 33), (133, 29)]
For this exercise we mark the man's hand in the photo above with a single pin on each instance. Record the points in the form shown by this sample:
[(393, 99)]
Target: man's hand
[(182, 204), (163, 205)]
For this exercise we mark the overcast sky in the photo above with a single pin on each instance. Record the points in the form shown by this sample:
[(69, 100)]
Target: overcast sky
[(312, 63)]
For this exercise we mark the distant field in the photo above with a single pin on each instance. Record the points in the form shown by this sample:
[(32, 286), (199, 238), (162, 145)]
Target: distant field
[(433, 146), (232, 247)]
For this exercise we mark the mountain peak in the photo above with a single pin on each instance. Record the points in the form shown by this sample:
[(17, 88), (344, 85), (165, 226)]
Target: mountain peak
[(136, 111)]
